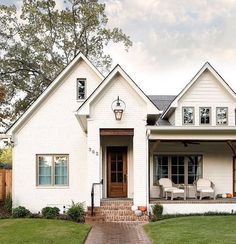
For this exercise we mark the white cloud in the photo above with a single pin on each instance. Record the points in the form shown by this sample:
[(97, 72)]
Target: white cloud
[(172, 39)]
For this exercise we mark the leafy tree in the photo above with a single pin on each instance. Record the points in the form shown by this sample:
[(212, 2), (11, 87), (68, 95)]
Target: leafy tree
[(38, 43)]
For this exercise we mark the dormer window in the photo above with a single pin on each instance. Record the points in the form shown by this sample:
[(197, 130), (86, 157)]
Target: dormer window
[(205, 115), (188, 115), (221, 116), (81, 89)]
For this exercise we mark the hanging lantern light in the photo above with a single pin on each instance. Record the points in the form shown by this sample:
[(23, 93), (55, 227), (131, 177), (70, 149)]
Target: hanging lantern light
[(118, 107)]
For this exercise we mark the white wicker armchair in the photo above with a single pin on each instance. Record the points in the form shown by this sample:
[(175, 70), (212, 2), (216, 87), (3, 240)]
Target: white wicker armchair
[(204, 188), (169, 189)]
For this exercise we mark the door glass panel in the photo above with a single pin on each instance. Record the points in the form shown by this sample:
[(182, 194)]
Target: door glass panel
[(113, 166), (113, 177), (119, 156), (120, 166), (120, 177)]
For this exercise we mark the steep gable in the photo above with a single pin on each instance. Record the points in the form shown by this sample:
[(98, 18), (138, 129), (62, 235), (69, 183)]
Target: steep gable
[(207, 84), (86, 68)]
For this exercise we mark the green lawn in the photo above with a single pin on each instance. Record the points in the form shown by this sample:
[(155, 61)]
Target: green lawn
[(197, 229), (41, 231)]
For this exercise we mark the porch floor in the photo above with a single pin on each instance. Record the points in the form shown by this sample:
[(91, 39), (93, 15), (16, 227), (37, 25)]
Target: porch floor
[(189, 201)]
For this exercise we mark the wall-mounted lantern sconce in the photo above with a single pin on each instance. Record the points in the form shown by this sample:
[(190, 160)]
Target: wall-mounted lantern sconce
[(118, 107)]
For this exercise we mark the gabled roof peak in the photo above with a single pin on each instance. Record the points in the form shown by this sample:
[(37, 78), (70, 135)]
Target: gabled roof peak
[(218, 77)]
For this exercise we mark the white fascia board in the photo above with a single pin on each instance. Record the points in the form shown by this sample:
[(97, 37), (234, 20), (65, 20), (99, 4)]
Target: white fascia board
[(192, 133), (191, 128), (48, 90), (4, 136)]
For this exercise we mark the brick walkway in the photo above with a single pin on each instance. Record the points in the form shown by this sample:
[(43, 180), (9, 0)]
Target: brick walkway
[(117, 233)]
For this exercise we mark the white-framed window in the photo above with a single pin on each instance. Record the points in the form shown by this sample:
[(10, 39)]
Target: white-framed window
[(221, 115), (181, 169), (188, 115), (205, 115), (81, 88), (52, 169)]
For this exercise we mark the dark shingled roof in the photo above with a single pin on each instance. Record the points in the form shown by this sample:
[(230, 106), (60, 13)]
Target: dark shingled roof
[(162, 101)]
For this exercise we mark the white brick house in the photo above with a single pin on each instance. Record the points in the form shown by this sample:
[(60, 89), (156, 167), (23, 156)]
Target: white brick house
[(69, 139)]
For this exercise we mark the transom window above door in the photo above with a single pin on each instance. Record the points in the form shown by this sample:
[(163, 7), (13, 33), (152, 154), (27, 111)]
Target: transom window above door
[(181, 169), (205, 115)]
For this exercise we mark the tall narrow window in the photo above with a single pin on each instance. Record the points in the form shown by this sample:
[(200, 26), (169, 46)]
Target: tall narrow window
[(205, 115), (188, 115), (52, 170), (221, 116), (81, 89)]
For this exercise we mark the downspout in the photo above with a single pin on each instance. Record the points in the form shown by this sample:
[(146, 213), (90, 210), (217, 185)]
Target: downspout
[(148, 170)]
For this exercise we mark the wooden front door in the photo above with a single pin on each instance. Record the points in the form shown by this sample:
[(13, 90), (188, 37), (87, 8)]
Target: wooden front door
[(117, 171), (234, 177)]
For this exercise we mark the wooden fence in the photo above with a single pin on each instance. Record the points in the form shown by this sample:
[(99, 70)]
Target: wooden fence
[(5, 183)]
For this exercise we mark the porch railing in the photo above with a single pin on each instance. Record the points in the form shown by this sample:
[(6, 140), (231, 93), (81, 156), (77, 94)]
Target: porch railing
[(92, 196)]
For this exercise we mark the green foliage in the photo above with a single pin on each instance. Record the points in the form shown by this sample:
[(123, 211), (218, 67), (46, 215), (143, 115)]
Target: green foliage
[(76, 212), (8, 203), (6, 157), (38, 43), (157, 211), (20, 212), (50, 212)]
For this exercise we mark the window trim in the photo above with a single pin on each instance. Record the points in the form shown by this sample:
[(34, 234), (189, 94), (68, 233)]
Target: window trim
[(169, 155), (183, 115), (227, 116), (52, 185), (210, 116), (77, 89)]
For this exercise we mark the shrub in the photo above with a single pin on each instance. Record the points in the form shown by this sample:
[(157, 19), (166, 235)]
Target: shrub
[(157, 211), (76, 212), (8, 203), (20, 212), (50, 212)]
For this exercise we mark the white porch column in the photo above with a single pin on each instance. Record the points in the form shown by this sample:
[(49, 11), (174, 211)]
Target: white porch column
[(93, 151), (140, 166)]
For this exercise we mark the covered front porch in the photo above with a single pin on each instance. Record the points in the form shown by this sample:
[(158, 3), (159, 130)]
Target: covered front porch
[(184, 156)]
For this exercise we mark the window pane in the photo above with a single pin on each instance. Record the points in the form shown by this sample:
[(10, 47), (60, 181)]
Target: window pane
[(221, 116), (160, 168), (113, 177), (45, 170), (81, 89), (61, 167), (205, 115), (188, 115), (194, 168), (120, 177)]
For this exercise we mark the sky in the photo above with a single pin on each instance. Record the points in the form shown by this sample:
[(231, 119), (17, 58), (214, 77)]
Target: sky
[(172, 39)]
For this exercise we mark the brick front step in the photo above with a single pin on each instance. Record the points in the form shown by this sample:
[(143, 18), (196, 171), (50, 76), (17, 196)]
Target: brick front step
[(115, 211)]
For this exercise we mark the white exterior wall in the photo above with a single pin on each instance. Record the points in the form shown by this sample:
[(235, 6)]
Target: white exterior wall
[(206, 92), (53, 129), (217, 163), (134, 117)]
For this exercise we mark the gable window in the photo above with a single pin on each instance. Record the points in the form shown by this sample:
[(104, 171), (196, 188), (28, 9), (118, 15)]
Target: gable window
[(81, 89), (188, 115), (181, 169), (205, 115), (52, 170), (221, 116)]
